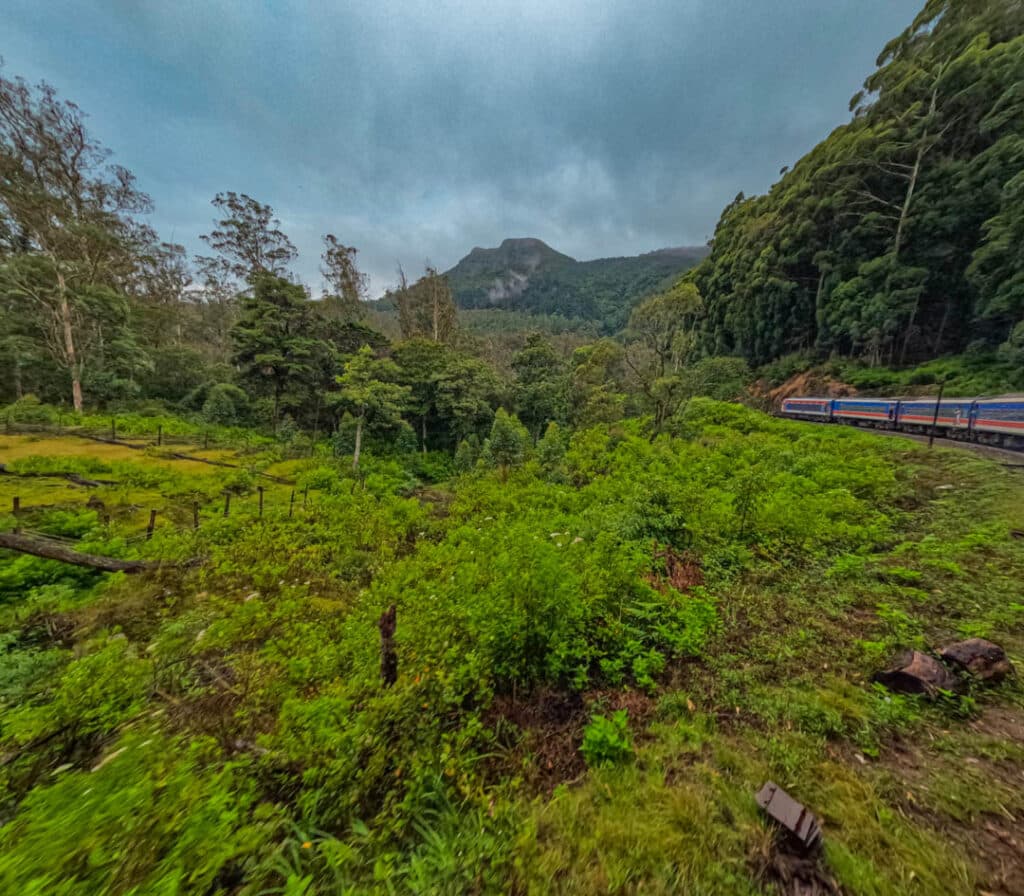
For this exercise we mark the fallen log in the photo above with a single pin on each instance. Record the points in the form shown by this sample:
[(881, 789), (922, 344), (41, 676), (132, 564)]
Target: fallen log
[(175, 455), (178, 455), (106, 440), (181, 455), (54, 550), (74, 478)]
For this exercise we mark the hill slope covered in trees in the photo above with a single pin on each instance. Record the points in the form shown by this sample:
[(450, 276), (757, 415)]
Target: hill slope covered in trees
[(528, 275), (898, 237)]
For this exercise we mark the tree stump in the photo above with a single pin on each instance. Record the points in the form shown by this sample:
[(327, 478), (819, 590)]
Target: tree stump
[(388, 655), (982, 659), (917, 673)]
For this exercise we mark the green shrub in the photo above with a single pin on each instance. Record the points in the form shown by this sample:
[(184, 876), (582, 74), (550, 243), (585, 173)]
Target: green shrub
[(606, 741), (155, 815), (225, 405), (467, 454), (29, 410)]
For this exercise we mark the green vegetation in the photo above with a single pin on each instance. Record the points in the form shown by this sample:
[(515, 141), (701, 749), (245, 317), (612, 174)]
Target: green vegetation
[(897, 238), (973, 374), (606, 740), (605, 645), (624, 600)]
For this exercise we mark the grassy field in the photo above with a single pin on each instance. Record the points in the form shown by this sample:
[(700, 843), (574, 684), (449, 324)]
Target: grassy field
[(603, 653)]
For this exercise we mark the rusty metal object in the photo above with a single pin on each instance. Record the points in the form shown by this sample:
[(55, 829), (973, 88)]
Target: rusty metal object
[(917, 673), (793, 816), (982, 659)]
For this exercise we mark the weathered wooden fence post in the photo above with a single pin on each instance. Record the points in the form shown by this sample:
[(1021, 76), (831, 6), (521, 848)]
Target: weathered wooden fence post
[(388, 654), (16, 510), (291, 505), (259, 488), (159, 435), (151, 526), (227, 503)]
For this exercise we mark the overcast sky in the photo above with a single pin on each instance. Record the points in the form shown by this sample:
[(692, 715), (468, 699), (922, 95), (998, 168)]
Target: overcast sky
[(417, 129)]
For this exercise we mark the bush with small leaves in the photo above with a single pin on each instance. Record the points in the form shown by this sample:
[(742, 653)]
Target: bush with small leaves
[(606, 740)]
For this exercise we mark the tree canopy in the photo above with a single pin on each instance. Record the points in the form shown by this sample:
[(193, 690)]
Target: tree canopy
[(897, 237)]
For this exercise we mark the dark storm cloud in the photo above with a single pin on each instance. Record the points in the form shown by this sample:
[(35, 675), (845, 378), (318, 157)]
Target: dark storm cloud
[(416, 130)]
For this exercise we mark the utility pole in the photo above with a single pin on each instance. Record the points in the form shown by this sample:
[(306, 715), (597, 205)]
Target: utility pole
[(935, 417)]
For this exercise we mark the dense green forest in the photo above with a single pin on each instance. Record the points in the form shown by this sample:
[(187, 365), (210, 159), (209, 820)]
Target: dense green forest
[(507, 584), (894, 241), (102, 314), (897, 238)]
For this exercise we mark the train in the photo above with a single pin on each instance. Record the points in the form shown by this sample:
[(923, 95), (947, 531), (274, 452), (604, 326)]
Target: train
[(991, 421)]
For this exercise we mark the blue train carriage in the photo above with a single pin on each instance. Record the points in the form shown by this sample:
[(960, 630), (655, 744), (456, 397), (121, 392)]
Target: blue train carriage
[(876, 412), (954, 419), (808, 408), (1000, 421)]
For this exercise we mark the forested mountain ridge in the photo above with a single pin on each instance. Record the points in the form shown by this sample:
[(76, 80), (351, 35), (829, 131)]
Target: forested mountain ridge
[(528, 275), (899, 236)]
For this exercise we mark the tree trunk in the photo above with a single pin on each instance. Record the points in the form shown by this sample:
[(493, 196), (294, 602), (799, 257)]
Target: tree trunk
[(817, 305), (51, 550), (388, 654), (359, 443), (907, 199), (942, 327), (922, 148), (905, 213), (423, 427), (70, 352)]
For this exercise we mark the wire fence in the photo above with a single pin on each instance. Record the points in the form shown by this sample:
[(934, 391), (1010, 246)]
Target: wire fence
[(183, 517), (157, 439), (130, 435), (179, 517)]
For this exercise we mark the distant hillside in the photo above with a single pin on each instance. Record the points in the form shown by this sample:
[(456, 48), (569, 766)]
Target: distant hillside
[(528, 275)]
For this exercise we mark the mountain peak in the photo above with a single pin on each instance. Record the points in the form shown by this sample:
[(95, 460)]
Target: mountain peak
[(526, 274), (526, 244)]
